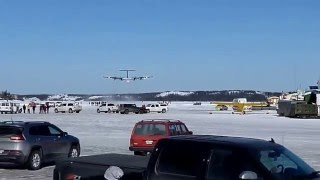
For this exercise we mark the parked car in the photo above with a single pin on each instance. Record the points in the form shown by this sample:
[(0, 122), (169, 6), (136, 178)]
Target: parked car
[(33, 143), (221, 108), (194, 157), (107, 108), (127, 108), (157, 108), (68, 107), (147, 133)]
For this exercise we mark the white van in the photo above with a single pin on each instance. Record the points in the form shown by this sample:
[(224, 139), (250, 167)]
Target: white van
[(7, 106)]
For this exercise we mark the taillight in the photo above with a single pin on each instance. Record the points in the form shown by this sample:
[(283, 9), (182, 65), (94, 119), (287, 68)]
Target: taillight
[(17, 137), (73, 177)]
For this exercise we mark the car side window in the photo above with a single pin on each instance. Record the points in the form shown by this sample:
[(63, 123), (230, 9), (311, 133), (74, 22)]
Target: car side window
[(229, 164), (181, 159), (70, 104), (183, 128), (172, 130), (34, 130), (54, 131), (219, 165), (178, 130), (41, 130)]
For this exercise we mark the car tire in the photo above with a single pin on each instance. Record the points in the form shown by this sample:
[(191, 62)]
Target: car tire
[(56, 110), (70, 110), (138, 153), (126, 111), (77, 111), (74, 151), (35, 160), (164, 111), (98, 111)]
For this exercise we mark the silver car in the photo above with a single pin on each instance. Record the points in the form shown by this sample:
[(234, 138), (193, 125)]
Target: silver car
[(32, 143)]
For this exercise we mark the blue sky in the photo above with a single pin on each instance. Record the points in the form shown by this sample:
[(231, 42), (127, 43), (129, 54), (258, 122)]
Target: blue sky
[(67, 46)]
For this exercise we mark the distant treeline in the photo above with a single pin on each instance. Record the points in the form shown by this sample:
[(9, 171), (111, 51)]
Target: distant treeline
[(225, 95)]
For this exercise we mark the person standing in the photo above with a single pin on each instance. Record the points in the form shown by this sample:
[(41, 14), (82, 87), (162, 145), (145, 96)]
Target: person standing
[(28, 108), (24, 108), (33, 108)]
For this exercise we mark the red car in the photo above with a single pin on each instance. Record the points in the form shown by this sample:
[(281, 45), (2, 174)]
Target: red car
[(146, 134)]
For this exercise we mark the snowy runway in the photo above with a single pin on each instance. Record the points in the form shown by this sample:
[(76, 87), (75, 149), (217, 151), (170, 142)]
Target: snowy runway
[(106, 133)]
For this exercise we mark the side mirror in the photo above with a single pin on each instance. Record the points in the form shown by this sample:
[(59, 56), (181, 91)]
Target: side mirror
[(248, 175), (113, 173), (65, 134), (190, 132)]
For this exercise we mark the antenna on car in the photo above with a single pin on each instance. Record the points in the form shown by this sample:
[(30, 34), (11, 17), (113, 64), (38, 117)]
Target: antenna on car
[(272, 140)]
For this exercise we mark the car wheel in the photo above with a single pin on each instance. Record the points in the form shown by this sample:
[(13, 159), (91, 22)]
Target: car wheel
[(77, 111), (70, 110), (35, 160), (164, 111), (126, 111), (74, 151), (56, 111), (98, 111)]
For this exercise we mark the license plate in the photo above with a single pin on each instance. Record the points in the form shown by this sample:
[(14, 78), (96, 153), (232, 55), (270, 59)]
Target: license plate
[(149, 142)]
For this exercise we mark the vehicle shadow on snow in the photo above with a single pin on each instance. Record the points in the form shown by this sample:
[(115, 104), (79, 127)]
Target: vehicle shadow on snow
[(17, 167)]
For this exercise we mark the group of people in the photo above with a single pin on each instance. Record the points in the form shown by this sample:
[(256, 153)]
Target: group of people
[(43, 108)]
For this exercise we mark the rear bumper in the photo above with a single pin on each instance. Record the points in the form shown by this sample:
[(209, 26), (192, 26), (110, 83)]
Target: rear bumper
[(143, 149), (11, 160)]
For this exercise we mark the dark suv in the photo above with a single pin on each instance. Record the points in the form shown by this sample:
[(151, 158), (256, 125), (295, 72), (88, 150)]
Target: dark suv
[(126, 108), (147, 133), (32, 143)]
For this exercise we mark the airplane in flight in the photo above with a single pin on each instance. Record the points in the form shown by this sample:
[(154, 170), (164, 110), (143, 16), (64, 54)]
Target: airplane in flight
[(127, 78)]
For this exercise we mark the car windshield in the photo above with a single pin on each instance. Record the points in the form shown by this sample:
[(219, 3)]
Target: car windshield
[(283, 164), (150, 129)]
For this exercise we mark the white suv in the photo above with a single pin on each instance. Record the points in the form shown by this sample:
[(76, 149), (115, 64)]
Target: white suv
[(68, 107), (157, 108), (107, 108)]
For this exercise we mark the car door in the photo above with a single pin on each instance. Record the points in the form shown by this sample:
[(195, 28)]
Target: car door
[(181, 160), (228, 164), (157, 108), (61, 144), (42, 138)]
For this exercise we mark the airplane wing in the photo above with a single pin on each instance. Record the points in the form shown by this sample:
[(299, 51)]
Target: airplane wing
[(141, 77), (113, 77), (256, 104)]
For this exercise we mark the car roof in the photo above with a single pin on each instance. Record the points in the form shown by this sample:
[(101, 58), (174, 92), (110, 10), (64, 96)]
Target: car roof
[(243, 142), (160, 121)]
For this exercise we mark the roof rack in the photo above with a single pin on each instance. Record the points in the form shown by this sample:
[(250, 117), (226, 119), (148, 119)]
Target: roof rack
[(167, 120)]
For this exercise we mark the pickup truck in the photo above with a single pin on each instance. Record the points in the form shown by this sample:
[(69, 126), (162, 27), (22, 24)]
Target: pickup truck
[(157, 108), (107, 108), (68, 107), (193, 157)]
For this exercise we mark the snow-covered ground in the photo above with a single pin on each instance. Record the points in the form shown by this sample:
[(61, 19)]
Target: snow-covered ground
[(106, 133)]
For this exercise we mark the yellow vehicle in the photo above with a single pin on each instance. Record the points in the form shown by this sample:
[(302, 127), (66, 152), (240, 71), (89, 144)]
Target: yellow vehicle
[(240, 104)]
